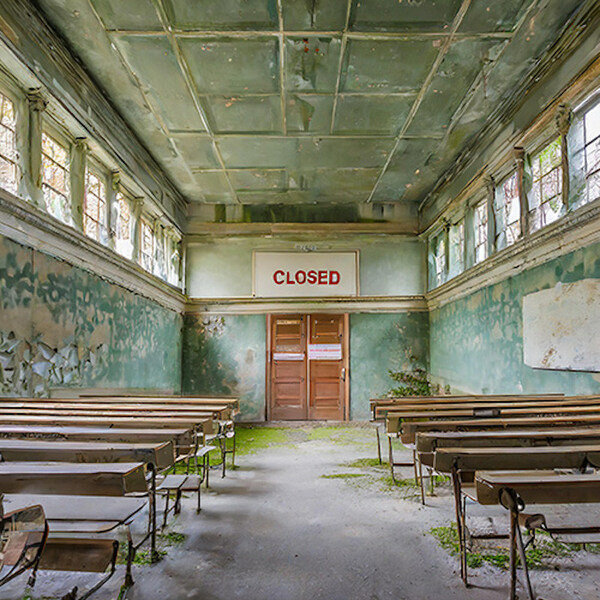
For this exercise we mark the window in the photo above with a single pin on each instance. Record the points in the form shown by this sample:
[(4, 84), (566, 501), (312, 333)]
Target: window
[(146, 245), (55, 178), (546, 200), (94, 207), (591, 136), (174, 262), (457, 248), (440, 259), (159, 253), (8, 145), (508, 210), (124, 244), (480, 226)]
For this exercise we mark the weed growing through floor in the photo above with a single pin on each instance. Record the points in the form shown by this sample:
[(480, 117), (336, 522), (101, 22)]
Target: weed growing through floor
[(538, 556), (367, 463), (172, 538), (252, 439)]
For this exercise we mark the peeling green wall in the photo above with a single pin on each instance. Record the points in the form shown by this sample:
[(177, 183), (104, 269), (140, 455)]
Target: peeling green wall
[(226, 355), (61, 326), (379, 343), (477, 342)]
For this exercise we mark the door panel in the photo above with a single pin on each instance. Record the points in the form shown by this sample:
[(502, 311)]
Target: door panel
[(288, 368), (326, 367)]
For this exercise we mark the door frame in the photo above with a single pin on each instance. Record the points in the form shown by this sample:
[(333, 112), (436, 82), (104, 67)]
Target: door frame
[(345, 350)]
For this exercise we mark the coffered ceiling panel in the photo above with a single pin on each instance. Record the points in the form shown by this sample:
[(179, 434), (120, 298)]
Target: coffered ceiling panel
[(308, 101)]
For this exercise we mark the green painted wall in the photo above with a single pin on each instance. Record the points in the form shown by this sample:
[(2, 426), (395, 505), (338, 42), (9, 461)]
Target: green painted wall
[(61, 326), (477, 342), (226, 355), (379, 343)]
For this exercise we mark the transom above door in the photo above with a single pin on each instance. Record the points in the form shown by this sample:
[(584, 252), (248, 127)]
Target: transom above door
[(308, 364)]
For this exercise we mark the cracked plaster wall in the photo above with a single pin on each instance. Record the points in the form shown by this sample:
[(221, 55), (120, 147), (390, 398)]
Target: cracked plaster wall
[(61, 326)]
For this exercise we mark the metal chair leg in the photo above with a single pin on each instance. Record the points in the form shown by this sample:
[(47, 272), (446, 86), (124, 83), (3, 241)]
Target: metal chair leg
[(378, 442), (391, 458)]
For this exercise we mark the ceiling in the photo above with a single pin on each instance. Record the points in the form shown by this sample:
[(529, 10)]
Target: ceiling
[(307, 101)]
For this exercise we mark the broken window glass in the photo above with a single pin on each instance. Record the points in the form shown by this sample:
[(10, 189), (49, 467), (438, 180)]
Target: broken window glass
[(8, 145), (55, 178), (94, 207), (546, 191)]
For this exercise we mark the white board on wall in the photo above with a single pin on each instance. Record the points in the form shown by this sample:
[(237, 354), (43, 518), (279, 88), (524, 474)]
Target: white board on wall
[(561, 327), (305, 274)]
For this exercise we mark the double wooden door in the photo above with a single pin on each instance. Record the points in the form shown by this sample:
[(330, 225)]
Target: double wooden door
[(308, 367)]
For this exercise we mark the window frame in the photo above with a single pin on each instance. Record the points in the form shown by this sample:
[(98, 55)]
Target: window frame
[(63, 140), (480, 227), (503, 210), (96, 169), (549, 140), (10, 97), (146, 220), (593, 103)]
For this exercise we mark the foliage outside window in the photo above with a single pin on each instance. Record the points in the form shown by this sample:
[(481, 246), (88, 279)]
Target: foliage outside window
[(456, 253), (480, 225), (546, 192), (146, 245), (55, 178), (591, 136), (8, 145), (94, 207), (508, 209), (124, 244)]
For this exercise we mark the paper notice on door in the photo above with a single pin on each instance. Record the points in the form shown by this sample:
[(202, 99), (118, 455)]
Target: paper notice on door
[(288, 355), (325, 352)]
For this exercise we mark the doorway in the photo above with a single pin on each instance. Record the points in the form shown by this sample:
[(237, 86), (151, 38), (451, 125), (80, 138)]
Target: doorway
[(307, 367)]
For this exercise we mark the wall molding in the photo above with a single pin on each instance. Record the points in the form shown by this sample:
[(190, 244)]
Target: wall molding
[(253, 306), (25, 224), (575, 230)]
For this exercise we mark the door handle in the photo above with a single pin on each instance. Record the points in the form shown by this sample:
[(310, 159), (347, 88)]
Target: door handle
[(343, 373)]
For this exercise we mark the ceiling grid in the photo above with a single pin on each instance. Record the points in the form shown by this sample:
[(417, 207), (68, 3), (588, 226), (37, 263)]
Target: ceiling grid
[(300, 103)]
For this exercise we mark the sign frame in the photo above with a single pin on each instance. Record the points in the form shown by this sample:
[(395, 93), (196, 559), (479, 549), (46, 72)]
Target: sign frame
[(292, 251)]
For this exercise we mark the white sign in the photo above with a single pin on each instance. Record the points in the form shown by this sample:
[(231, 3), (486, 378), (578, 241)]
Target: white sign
[(561, 327), (325, 351), (305, 274)]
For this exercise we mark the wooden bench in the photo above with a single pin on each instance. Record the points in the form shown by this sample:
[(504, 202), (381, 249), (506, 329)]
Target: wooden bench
[(516, 490), (161, 455), (461, 464)]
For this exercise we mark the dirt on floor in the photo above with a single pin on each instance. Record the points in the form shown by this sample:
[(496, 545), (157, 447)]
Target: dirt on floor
[(309, 513)]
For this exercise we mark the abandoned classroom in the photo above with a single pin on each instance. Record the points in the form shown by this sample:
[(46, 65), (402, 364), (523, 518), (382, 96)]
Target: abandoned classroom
[(300, 299)]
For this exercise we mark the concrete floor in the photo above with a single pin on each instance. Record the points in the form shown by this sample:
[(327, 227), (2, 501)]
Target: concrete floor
[(276, 529)]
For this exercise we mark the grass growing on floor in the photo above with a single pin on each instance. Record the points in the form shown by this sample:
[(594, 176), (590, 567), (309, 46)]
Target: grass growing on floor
[(538, 556), (251, 439), (340, 434), (143, 557), (343, 475), (367, 463)]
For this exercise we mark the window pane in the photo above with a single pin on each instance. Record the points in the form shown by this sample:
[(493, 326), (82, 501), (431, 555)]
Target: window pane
[(546, 197), (8, 146)]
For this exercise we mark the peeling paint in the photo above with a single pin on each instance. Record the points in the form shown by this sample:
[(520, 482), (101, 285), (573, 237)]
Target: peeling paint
[(65, 327)]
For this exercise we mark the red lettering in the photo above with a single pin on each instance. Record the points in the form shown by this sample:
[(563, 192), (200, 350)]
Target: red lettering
[(275, 275), (322, 277), (311, 277), (288, 279), (334, 277), (300, 277)]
